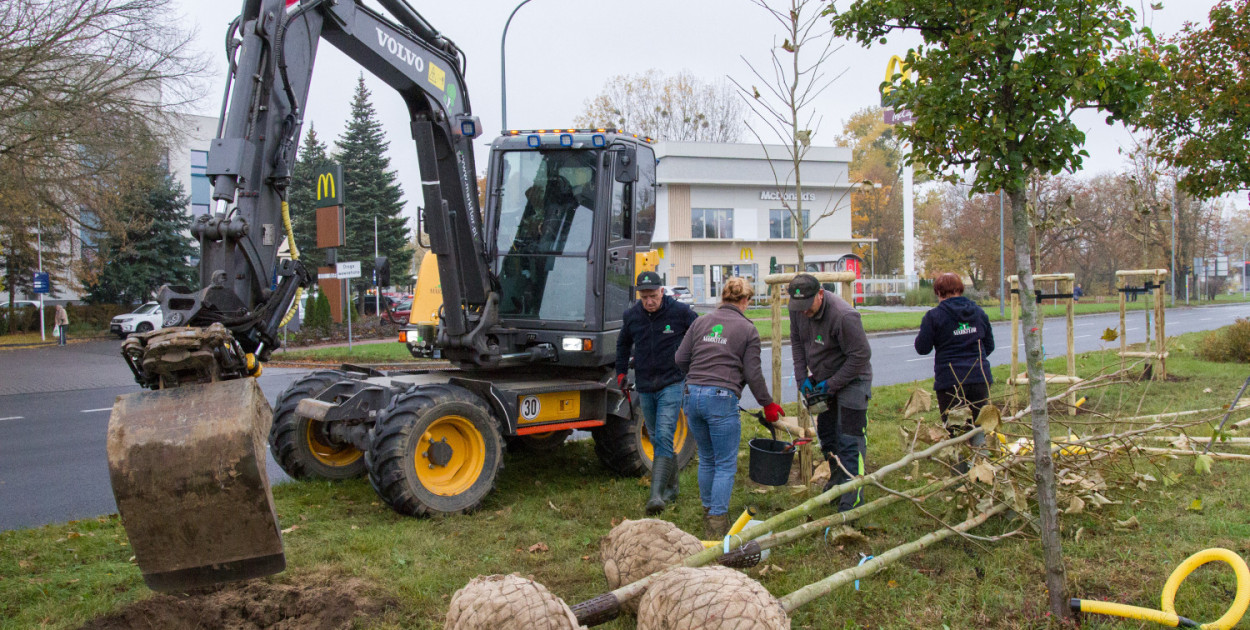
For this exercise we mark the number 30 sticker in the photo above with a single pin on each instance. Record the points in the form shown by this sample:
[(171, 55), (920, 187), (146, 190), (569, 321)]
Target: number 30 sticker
[(530, 407)]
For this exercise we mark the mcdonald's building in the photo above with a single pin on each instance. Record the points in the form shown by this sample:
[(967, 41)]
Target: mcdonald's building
[(720, 213)]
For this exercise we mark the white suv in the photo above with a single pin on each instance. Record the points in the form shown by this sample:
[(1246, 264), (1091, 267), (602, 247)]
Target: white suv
[(146, 318)]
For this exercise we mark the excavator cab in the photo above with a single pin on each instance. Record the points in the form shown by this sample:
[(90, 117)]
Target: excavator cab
[(566, 212)]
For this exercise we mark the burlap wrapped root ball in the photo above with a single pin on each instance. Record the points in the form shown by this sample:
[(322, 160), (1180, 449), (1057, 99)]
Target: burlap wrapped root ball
[(635, 549), (505, 602), (711, 598)]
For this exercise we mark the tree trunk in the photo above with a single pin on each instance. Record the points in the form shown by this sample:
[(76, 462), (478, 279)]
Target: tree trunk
[(1044, 472)]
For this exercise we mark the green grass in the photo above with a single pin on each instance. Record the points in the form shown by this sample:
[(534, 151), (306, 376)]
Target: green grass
[(390, 352), (63, 575)]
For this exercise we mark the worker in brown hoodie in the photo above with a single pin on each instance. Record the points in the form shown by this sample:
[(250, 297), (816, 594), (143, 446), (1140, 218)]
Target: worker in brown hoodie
[(721, 353)]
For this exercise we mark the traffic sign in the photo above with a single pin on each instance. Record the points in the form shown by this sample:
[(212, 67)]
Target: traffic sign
[(346, 270), (42, 283)]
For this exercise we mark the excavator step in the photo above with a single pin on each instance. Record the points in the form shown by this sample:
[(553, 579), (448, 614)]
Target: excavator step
[(187, 467)]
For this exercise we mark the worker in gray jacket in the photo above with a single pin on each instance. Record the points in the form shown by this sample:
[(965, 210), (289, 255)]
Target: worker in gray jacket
[(721, 352), (832, 357)]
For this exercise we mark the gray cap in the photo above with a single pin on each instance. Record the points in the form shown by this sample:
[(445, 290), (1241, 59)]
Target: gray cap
[(803, 290)]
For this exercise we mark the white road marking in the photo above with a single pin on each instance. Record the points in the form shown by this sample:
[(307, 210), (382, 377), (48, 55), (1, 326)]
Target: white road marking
[(1082, 336), (906, 345), (95, 410), (920, 359), (1205, 319), (11, 418), (1132, 329)]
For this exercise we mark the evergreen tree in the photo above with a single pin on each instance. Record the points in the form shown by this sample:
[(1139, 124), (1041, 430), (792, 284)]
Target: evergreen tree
[(302, 198), (370, 190), (152, 250)]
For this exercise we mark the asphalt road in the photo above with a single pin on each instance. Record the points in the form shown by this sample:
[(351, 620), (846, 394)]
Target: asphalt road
[(55, 403), (53, 422)]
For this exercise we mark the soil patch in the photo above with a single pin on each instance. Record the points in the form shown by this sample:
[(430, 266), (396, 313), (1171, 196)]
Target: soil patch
[(311, 603)]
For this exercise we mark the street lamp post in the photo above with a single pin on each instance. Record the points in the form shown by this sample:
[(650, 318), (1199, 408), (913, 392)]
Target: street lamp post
[(503, 72), (1243, 270)]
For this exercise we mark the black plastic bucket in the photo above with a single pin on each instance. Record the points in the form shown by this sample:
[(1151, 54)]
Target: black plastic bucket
[(770, 461)]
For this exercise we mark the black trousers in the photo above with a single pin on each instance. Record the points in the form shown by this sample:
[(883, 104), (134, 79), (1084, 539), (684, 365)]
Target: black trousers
[(843, 436), (971, 395)]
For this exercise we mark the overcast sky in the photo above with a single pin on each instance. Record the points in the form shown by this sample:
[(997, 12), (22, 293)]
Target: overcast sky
[(561, 53)]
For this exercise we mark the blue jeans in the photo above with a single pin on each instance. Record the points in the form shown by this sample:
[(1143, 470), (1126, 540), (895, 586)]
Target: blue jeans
[(659, 414), (712, 415)]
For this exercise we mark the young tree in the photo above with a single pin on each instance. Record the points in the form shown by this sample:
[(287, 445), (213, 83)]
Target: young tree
[(370, 191), (877, 209), (1199, 112), (302, 198), (999, 84), (152, 251), (677, 108), (785, 106)]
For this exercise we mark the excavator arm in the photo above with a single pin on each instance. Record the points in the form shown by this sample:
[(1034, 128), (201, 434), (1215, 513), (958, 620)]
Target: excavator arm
[(187, 461), (244, 286)]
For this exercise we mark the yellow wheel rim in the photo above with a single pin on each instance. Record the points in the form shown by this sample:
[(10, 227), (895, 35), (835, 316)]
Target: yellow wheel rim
[(326, 452), (680, 435), (450, 456)]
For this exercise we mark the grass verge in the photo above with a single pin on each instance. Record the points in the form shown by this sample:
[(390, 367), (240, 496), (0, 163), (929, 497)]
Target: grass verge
[(63, 575), (390, 352)]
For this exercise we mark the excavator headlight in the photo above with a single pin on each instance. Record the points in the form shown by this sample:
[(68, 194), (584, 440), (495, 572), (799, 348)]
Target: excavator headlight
[(597, 140), (533, 141), (468, 126), (566, 139), (571, 344)]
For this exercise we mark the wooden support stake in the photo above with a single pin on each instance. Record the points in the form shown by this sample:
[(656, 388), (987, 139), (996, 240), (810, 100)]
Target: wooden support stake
[(1071, 287)]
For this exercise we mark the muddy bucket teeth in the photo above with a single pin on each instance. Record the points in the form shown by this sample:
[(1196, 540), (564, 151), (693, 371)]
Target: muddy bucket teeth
[(187, 467)]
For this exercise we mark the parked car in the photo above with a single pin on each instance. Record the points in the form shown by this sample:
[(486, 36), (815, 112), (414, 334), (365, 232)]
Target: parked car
[(371, 303), (400, 313), (146, 318), (681, 294)]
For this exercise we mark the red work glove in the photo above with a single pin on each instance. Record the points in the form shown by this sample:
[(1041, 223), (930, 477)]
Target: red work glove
[(620, 381), (773, 412)]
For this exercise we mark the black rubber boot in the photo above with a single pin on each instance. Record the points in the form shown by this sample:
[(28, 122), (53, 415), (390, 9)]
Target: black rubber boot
[(670, 488), (661, 470), (715, 526)]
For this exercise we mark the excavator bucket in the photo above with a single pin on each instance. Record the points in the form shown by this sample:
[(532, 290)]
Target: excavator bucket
[(187, 467)]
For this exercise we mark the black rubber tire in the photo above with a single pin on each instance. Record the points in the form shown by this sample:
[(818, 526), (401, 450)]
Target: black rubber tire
[(535, 444), (619, 445), (391, 459), (143, 327), (288, 437)]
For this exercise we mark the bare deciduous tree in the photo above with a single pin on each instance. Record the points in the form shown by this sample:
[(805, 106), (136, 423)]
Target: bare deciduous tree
[(677, 108), (89, 92), (784, 105)]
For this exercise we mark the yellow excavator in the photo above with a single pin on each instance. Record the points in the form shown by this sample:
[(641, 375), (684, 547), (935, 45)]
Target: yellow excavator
[(532, 289)]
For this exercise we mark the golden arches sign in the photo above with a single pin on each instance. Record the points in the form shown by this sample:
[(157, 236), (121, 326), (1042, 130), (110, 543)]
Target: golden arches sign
[(746, 254), (330, 186), (896, 65)]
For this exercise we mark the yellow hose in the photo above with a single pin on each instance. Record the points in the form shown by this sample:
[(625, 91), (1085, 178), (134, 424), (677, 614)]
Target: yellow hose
[(290, 239), (1167, 616)]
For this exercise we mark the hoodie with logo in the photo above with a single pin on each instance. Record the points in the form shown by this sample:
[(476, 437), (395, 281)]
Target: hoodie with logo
[(653, 338), (722, 349), (832, 347), (960, 332)]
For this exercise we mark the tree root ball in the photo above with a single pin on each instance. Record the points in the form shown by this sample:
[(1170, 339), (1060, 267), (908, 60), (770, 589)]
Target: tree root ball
[(709, 597), (635, 549), (502, 602)]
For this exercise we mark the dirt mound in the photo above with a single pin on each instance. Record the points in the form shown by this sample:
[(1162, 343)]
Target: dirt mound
[(315, 603)]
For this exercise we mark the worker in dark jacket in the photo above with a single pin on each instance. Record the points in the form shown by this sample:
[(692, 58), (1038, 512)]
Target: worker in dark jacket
[(960, 332), (832, 356), (720, 354), (653, 328)]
